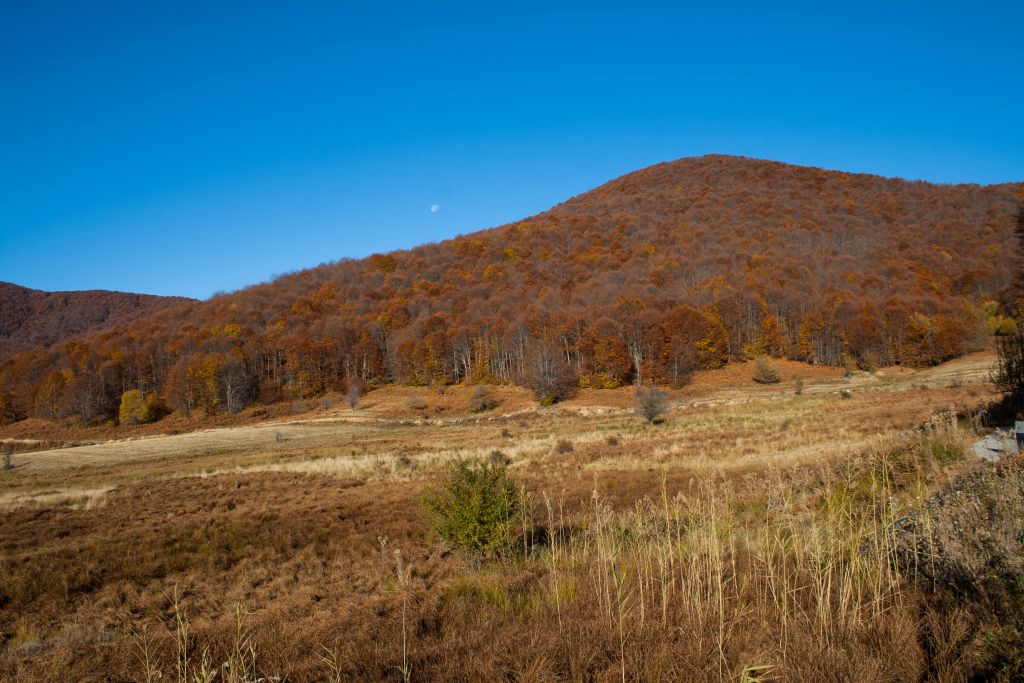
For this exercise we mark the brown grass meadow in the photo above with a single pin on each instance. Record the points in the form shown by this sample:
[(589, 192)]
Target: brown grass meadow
[(752, 536)]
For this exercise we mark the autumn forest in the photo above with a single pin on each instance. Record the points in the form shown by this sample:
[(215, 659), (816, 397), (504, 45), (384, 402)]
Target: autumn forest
[(675, 268)]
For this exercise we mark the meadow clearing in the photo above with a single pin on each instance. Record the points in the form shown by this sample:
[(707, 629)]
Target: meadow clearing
[(755, 534)]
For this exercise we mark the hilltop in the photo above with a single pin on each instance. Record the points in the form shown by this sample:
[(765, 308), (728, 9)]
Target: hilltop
[(675, 268), (31, 318)]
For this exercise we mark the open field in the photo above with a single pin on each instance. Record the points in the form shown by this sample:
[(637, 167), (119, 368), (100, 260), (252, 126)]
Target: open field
[(385, 417), (751, 531)]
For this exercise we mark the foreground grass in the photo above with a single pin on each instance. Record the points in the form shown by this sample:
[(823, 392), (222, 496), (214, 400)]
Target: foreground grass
[(773, 573)]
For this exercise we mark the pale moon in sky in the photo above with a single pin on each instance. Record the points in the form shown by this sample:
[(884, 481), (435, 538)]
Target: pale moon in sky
[(434, 208)]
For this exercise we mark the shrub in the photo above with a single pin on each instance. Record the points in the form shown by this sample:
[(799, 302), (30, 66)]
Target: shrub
[(849, 365), (506, 434), (477, 508), (353, 396), (8, 458), (869, 362), (970, 536), (765, 372), (137, 408), (563, 446), (612, 441), (416, 402), (482, 399), (651, 403), (798, 386)]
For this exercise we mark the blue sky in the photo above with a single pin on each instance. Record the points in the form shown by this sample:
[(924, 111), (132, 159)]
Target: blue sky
[(189, 147)]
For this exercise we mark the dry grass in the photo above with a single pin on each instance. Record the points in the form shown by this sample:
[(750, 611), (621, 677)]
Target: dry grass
[(69, 497), (745, 538)]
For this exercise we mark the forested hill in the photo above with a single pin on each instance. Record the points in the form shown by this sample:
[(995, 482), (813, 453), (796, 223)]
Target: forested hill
[(30, 318), (675, 267)]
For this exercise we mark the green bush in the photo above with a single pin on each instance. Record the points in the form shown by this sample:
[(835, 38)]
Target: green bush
[(477, 507)]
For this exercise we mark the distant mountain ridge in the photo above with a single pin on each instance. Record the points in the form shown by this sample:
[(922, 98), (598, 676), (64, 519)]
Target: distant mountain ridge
[(31, 318), (675, 267)]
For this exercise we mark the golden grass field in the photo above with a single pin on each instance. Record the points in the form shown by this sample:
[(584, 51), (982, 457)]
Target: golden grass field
[(748, 537)]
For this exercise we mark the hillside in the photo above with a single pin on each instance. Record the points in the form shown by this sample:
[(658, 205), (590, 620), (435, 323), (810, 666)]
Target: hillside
[(677, 267), (30, 318)]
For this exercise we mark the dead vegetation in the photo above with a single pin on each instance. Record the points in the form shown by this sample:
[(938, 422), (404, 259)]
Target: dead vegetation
[(651, 404), (763, 539), (969, 536)]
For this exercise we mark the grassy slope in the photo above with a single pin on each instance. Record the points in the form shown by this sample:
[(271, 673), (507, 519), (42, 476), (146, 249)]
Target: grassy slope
[(749, 555)]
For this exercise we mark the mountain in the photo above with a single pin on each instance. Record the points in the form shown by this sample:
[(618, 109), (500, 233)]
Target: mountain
[(31, 318), (676, 267)]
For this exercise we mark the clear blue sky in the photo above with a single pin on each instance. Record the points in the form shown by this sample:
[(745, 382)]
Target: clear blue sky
[(189, 147)]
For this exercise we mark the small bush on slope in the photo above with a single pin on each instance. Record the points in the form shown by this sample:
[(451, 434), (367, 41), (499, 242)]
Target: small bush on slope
[(651, 404), (765, 372)]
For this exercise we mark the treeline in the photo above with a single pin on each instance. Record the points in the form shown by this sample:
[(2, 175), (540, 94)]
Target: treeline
[(647, 279)]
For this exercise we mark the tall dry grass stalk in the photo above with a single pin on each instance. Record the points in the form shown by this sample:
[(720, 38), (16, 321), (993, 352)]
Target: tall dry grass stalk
[(198, 666), (819, 556)]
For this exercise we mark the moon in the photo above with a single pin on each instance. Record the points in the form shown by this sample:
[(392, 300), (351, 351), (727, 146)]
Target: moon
[(434, 208)]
